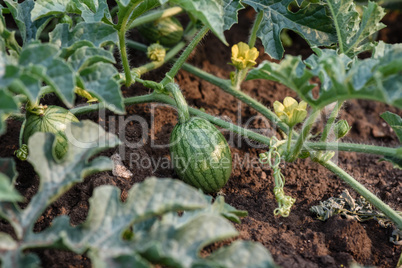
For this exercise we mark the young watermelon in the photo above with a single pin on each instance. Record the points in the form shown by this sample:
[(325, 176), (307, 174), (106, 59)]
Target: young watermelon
[(52, 119), (200, 154), (167, 31)]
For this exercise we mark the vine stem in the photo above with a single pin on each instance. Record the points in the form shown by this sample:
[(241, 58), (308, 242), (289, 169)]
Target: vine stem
[(308, 124), (183, 57), (351, 147), (155, 15), (181, 104), (122, 27), (256, 26), (331, 120), (358, 187), (226, 86)]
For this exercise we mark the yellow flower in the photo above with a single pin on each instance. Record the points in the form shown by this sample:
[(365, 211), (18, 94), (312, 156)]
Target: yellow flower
[(243, 57), (291, 112)]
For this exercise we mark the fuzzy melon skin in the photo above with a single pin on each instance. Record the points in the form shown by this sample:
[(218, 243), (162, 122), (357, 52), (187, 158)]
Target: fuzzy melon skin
[(201, 155), (54, 120)]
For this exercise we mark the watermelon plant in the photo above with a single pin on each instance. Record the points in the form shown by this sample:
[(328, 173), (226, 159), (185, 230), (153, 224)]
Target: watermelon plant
[(71, 48)]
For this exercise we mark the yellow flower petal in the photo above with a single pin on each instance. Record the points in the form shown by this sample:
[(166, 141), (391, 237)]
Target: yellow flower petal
[(302, 105), (243, 48), (235, 51), (278, 108), (253, 54)]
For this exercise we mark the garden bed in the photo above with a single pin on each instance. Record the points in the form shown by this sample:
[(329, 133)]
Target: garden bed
[(299, 240)]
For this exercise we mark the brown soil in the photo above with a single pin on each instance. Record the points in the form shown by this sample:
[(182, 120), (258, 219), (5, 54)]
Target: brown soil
[(297, 241)]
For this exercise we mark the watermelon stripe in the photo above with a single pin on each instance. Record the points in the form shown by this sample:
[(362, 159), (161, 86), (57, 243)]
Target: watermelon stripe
[(179, 152), (207, 153), (189, 172)]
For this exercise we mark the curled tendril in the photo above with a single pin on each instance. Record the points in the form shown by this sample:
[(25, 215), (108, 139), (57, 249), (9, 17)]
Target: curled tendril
[(273, 158)]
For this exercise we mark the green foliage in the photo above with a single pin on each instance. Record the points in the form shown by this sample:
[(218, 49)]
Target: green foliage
[(7, 106), (160, 234), (311, 22), (29, 28), (352, 30), (8, 175), (342, 78), (231, 8), (395, 122)]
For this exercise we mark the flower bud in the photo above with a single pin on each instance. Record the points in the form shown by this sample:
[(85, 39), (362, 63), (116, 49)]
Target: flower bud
[(341, 129), (156, 52)]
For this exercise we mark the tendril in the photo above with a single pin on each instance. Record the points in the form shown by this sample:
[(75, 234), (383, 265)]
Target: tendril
[(273, 158)]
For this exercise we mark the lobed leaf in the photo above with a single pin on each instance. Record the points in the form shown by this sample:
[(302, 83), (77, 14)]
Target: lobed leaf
[(22, 15), (97, 33), (377, 78), (352, 30), (230, 9), (109, 218), (45, 8), (210, 12), (98, 79), (311, 22)]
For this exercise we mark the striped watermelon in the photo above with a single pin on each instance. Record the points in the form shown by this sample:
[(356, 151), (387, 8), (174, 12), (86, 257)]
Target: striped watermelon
[(200, 154), (52, 119)]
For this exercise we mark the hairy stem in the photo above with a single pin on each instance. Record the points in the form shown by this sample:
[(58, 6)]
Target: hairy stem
[(308, 124), (160, 14), (181, 104), (358, 187), (183, 57), (331, 120), (256, 26), (122, 27), (350, 147), (226, 86)]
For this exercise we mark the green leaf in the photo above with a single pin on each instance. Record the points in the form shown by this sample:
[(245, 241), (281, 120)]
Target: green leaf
[(98, 80), (311, 22), (95, 11), (98, 33), (41, 60), (85, 139), (8, 175), (86, 56), (239, 254), (7, 106), (210, 12), (230, 9), (45, 8), (177, 242), (352, 30), (377, 78), (22, 16), (220, 207), (395, 122), (108, 217)]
